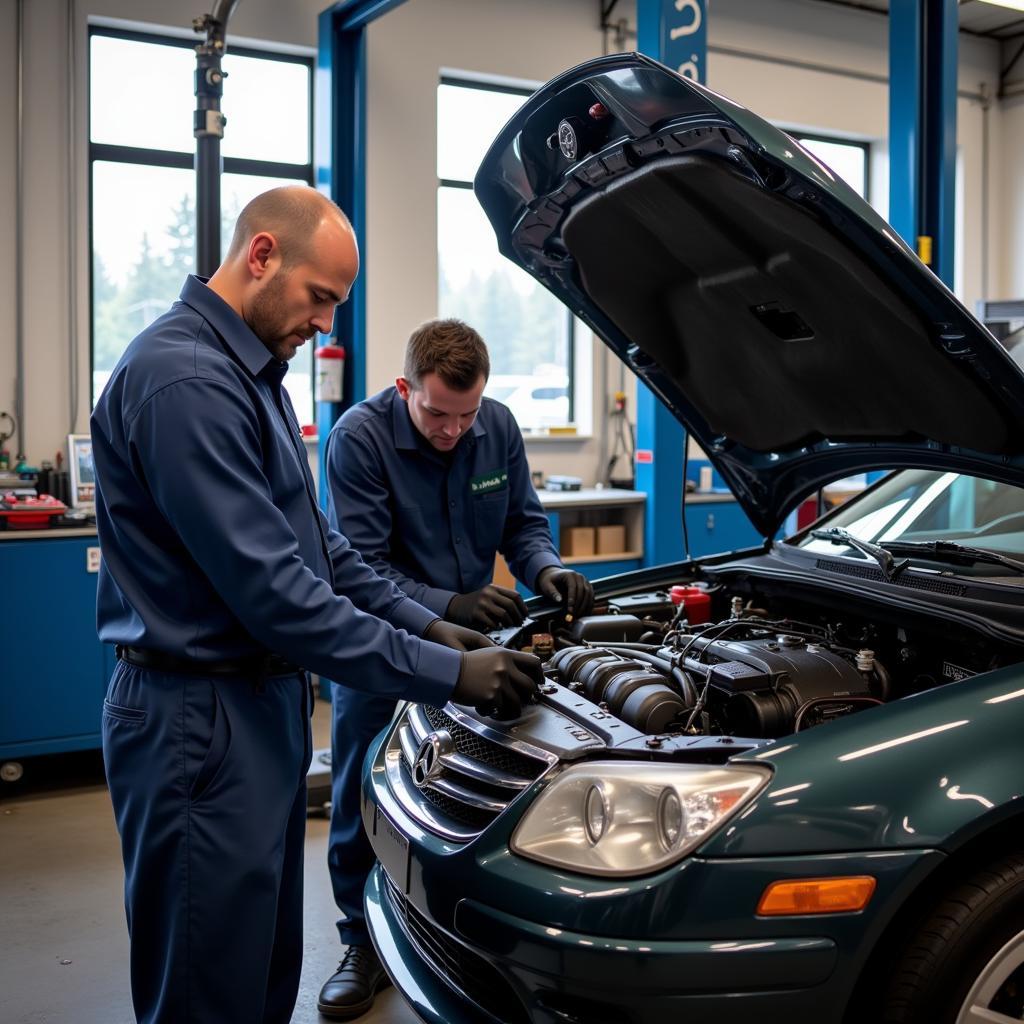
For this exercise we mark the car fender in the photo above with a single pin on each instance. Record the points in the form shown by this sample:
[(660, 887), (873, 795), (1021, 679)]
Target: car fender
[(925, 772)]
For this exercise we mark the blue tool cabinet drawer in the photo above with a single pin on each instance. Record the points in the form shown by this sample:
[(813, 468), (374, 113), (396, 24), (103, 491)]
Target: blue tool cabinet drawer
[(719, 526), (55, 670)]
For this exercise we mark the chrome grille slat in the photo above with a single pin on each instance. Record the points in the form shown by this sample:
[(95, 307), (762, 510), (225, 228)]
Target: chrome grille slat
[(477, 772), (467, 796), (493, 777), (479, 741), (420, 728), (418, 807), (410, 745)]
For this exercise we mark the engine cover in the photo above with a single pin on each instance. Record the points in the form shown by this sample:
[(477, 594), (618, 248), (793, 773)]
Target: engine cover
[(764, 683)]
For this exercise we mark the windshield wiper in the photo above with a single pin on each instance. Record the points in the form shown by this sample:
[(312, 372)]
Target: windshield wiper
[(890, 567), (951, 551)]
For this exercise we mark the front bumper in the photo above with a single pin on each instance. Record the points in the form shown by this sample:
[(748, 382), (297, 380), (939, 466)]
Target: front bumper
[(521, 974), (453, 925)]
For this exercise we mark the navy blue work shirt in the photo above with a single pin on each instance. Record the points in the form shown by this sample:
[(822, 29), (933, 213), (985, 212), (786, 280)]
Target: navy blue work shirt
[(213, 544), (432, 522)]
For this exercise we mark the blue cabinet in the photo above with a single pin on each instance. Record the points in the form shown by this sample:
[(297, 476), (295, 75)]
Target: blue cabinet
[(55, 670), (717, 526)]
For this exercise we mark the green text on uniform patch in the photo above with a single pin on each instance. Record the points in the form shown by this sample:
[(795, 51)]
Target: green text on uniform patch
[(493, 481)]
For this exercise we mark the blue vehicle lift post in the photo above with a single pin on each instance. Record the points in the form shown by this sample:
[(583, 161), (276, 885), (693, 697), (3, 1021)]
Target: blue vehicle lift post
[(674, 32), (922, 128), (340, 154)]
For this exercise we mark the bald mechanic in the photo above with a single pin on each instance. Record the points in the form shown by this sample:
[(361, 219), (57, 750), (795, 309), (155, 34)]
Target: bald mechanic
[(429, 481), (221, 583)]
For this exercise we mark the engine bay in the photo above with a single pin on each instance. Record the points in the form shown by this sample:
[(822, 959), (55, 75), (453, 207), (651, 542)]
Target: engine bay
[(725, 657)]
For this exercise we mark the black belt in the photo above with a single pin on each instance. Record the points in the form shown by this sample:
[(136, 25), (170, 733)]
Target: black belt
[(258, 666)]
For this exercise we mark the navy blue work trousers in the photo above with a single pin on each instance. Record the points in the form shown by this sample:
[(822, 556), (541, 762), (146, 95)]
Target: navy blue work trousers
[(358, 717), (208, 782)]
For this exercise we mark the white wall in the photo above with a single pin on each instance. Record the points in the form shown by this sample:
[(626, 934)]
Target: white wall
[(805, 64), (8, 171), (531, 39), (1009, 282)]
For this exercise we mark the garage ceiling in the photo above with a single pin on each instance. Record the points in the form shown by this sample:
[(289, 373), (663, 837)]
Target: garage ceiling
[(976, 17)]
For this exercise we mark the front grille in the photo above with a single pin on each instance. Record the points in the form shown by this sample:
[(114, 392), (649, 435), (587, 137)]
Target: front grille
[(477, 747), (465, 971), (465, 779), (450, 807), (906, 579)]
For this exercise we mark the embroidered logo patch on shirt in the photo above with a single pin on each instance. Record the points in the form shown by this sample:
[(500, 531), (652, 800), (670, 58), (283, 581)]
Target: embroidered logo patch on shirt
[(493, 481)]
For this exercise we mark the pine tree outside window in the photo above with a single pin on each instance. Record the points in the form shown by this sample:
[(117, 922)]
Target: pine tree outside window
[(142, 183), (530, 334)]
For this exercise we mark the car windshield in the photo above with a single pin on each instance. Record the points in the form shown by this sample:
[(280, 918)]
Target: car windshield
[(925, 506)]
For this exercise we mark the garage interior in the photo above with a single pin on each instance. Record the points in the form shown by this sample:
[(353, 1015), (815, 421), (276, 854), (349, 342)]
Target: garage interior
[(388, 107)]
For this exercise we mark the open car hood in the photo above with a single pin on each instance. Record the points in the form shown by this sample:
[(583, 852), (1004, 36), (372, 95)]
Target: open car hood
[(780, 319)]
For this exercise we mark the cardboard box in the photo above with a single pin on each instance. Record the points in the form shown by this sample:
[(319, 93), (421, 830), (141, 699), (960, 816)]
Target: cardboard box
[(611, 540), (577, 540), (502, 575)]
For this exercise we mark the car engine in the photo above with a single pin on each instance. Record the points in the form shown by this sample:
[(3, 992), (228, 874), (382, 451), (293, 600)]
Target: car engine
[(662, 663), (697, 672), (752, 681)]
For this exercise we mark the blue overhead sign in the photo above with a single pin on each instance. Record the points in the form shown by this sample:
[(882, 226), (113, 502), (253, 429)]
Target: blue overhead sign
[(675, 32)]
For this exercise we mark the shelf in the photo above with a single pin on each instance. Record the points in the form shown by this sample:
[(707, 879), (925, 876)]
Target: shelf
[(709, 497), (589, 497), (619, 556)]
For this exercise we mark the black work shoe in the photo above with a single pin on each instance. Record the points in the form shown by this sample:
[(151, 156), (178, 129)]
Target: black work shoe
[(350, 991)]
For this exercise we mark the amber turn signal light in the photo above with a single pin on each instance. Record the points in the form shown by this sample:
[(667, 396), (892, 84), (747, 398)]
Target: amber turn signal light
[(816, 896)]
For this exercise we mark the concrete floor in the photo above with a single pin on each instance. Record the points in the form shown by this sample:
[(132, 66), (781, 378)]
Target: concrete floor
[(63, 941)]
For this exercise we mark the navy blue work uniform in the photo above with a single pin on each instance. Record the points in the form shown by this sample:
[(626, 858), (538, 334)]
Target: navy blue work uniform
[(215, 555), (431, 523)]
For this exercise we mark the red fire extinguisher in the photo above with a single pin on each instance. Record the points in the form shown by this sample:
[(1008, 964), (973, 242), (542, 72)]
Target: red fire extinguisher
[(330, 372)]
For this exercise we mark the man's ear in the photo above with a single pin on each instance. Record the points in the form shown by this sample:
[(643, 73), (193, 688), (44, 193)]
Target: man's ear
[(263, 251), (403, 388)]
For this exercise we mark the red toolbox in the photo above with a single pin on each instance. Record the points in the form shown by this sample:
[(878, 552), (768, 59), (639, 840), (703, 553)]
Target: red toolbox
[(29, 513)]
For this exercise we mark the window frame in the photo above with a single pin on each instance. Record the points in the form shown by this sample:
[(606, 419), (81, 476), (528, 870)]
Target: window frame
[(457, 81), (178, 159), (836, 140)]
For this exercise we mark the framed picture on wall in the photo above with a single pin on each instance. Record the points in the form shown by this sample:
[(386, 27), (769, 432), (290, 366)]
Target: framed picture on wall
[(81, 472)]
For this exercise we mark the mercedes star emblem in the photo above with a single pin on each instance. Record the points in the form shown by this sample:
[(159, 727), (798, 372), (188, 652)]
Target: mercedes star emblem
[(427, 765)]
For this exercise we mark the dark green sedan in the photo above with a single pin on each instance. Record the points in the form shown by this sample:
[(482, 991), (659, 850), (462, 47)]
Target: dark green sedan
[(774, 785)]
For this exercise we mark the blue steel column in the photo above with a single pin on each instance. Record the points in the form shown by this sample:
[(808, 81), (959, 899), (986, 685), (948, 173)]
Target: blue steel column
[(340, 156), (674, 32), (922, 128)]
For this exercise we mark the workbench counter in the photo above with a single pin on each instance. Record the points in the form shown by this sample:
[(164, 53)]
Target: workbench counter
[(67, 531)]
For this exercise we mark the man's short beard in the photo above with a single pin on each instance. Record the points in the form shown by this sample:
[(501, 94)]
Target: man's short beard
[(264, 317)]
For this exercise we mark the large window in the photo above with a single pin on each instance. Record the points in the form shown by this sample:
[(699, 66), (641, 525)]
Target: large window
[(529, 333), (848, 159), (143, 184)]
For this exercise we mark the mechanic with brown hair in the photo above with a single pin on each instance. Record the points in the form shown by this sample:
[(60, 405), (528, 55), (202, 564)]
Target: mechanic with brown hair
[(428, 480)]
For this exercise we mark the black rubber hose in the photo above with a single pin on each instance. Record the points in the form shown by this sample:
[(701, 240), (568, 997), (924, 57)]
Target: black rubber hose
[(884, 681), (686, 685)]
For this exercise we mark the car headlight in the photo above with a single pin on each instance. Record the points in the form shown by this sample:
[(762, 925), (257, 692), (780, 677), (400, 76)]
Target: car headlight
[(610, 818)]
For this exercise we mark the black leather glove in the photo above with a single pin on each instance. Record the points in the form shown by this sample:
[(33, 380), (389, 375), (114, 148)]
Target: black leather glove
[(570, 588), (490, 607), (458, 638), (497, 681)]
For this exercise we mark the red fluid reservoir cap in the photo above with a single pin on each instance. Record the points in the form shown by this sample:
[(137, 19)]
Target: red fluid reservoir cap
[(696, 600)]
